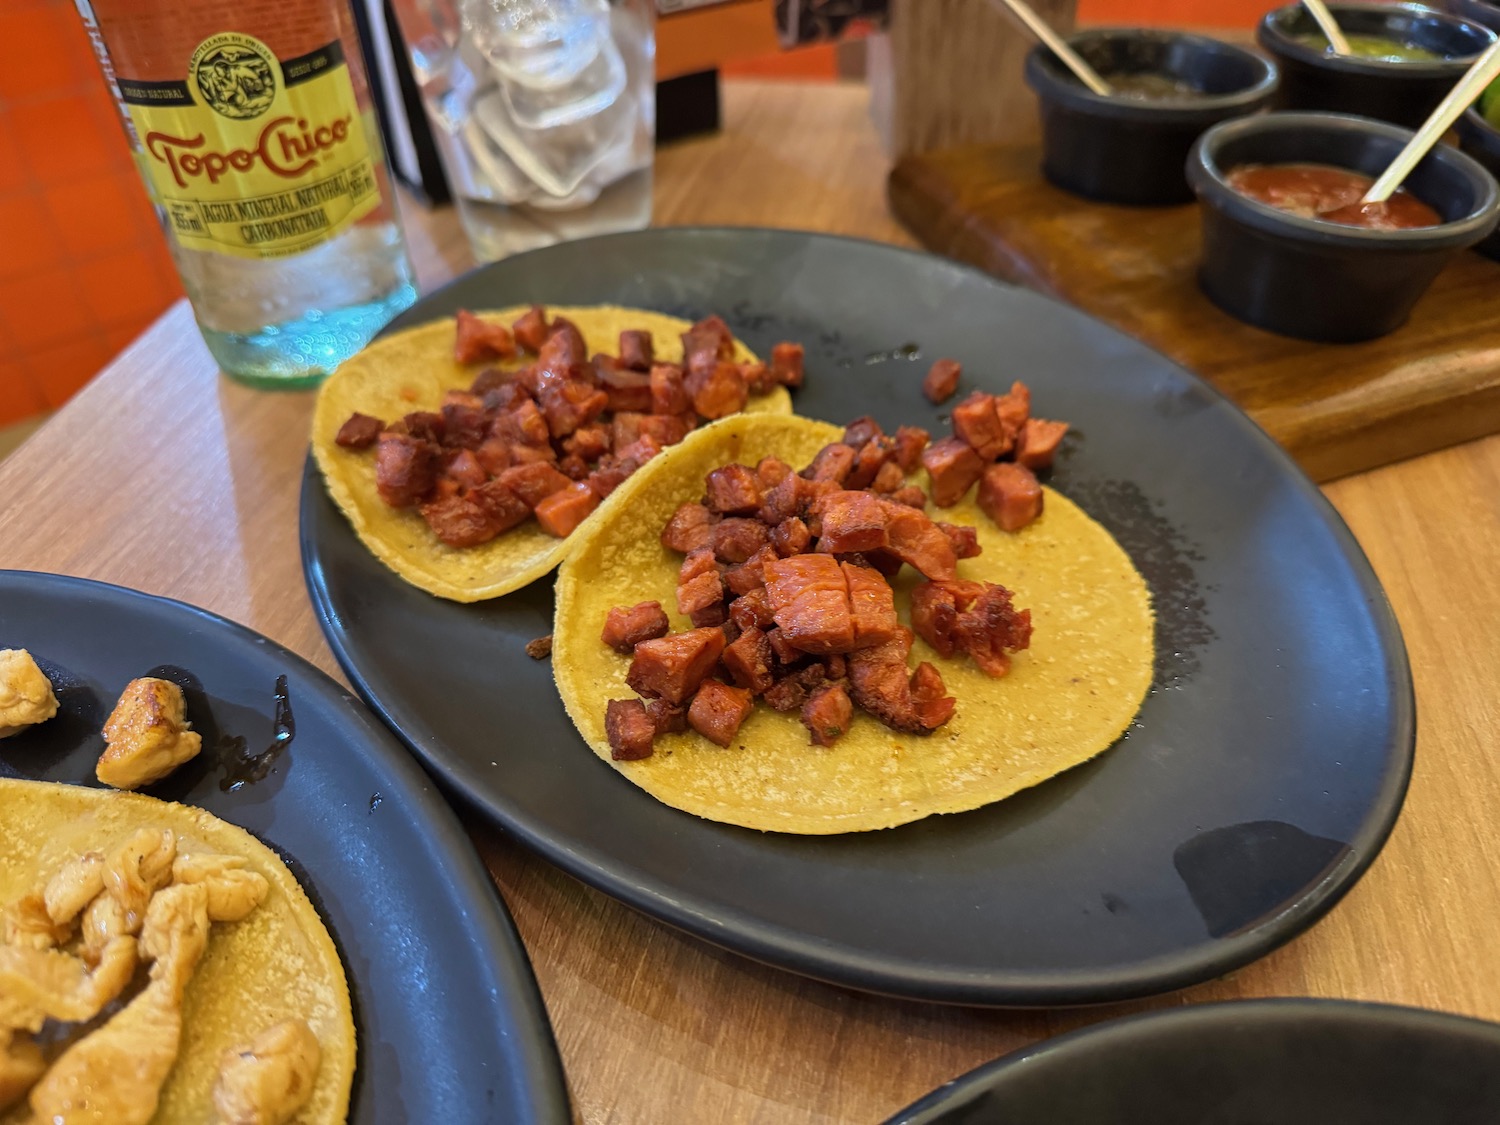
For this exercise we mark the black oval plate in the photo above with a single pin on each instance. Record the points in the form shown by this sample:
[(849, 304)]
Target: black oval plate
[(1260, 780), (1291, 1062), (450, 1024)]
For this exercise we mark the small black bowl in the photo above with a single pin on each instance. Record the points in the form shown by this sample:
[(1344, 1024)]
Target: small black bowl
[(1402, 93), (1126, 150), (1481, 140), (1320, 280)]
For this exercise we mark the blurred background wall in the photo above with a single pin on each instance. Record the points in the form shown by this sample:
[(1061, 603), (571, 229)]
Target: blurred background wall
[(83, 268)]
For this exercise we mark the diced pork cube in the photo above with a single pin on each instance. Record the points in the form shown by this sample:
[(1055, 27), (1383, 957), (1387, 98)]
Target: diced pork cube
[(1036, 448), (477, 339), (977, 422), (560, 513), (673, 666), (748, 661), (690, 527), (733, 490), (786, 364), (535, 482), (810, 602), (718, 710), (828, 714), (952, 467), (629, 729), (359, 432), (627, 626), (637, 349), (1010, 495), (941, 380)]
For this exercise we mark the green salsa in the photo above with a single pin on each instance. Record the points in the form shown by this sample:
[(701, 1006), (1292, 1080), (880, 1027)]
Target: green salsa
[(1374, 47)]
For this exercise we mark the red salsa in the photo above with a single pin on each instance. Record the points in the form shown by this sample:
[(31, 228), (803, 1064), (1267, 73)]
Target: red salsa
[(1318, 191)]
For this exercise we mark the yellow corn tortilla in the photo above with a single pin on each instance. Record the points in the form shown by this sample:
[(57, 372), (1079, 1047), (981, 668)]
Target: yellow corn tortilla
[(278, 963), (1066, 698), (410, 371)]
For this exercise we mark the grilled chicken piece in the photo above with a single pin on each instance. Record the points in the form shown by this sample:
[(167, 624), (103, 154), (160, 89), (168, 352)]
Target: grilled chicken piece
[(25, 692), (147, 736), (267, 1082), (21, 1064), (233, 891), (76, 884)]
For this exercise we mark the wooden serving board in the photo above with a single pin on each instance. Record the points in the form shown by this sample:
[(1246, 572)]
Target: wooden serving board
[(1338, 408)]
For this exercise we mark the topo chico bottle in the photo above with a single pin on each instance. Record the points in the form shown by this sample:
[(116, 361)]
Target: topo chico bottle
[(252, 125)]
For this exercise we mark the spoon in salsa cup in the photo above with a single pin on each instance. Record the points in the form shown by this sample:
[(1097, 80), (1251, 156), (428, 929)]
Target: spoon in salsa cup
[(1464, 93), (1057, 45), (1328, 26)]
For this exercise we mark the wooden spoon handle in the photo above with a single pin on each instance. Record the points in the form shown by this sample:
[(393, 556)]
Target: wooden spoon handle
[(1485, 70), (1329, 26), (1057, 45)]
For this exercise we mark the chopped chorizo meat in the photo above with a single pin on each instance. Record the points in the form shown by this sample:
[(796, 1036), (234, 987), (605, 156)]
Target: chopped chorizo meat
[(490, 379), (359, 432), (748, 661), (1010, 495), (637, 349), (531, 330), (889, 478), (910, 495), (627, 626), (736, 539), (539, 648), (560, 513), (833, 462), (638, 452), (879, 682), (786, 695), (786, 364), (965, 539), (673, 666), (506, 508), (629, 729), (991, 628), (563, 348), (758, 378), (1037, 446), (463, 468), (929, 697), (952, 467), (706, 343), (588, 442), (910, 441), (665, 429), (835, 666), (771, 471), (852, 521), (718, 710), (872, 606), (941, 380), (781, 648), (718, 392), (790, 537), (810, 602), (668, 395), (827, 714), (786, 500), (690, 527), (700, 561), (478, 339), (569, 403), (749, 575), (535, 482), (494, 455), (733, 490), (668, 718), (465, 422), (700, 592), (868, 461), (573, 467), (916, 540), (752, 610), (425, 424), (861, 431), (460, 520), (405, 469), (530, 454), (1014, 407), (626, 389), (977, 422), (610, 474), (977, 618), (507, 396), (521, 425)]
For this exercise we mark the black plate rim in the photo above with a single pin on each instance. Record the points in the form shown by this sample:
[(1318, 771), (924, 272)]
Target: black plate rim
[(491, 927), (1199, 1019), (786, 949)]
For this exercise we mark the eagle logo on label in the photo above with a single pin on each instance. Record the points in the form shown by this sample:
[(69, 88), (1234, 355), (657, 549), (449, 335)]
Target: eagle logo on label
[(235, 75)]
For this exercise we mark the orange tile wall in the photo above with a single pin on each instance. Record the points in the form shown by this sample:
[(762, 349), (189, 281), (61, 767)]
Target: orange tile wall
[(83, 267)]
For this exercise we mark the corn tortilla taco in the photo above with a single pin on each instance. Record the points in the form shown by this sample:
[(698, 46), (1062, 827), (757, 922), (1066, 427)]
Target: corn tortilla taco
[(277, 964), (1066, 698), (410, 371)]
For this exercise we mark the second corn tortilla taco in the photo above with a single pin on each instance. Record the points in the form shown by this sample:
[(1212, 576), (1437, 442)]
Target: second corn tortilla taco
[(1068, 697), (409, 371)]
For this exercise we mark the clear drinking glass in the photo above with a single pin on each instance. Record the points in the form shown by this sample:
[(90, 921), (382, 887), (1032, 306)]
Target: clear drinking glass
[(544, 111)]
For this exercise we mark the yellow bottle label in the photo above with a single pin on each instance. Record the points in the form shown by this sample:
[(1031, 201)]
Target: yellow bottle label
[(252, 155)]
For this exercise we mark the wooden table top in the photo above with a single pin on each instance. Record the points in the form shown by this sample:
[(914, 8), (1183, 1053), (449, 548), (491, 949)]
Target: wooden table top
[(165, 476)]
